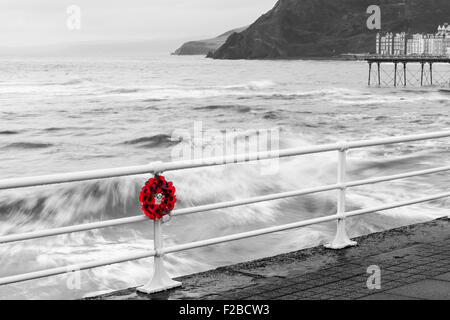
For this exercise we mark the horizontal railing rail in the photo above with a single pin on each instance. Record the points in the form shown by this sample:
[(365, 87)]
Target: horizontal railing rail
[(203, 243), (160, 280), (197, 163), (214, 206)]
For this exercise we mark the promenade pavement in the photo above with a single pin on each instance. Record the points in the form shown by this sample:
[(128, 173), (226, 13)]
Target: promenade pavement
[(413, 263)]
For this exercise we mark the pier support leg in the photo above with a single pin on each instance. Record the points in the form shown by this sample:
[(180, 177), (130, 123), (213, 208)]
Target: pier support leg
[(370, 72), (379, 76), (404, 74), (161, 281), (341, 240), (395, 74), (431, 73), (421, 75)]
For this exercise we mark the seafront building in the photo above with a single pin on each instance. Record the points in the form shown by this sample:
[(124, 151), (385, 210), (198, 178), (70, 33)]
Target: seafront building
[(397, 44)]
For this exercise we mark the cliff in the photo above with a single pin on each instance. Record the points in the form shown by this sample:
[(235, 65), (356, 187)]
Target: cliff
[(203, 47), (327, 28)]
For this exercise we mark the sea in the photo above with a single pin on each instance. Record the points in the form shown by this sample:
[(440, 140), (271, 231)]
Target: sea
[(73, 114)]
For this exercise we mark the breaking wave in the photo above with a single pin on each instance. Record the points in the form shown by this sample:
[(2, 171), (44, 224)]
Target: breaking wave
[(238, 108), (159, 140), (27, 145), (124, 90), (9, 132)]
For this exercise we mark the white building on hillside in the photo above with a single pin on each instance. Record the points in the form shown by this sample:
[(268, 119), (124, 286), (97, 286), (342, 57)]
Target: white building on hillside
[(437, 44)]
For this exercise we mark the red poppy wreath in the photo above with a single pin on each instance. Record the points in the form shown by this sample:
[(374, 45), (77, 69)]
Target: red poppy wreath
[(157, 197)]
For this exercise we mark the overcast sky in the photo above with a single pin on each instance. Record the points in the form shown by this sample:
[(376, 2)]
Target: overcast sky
[(43, 22)]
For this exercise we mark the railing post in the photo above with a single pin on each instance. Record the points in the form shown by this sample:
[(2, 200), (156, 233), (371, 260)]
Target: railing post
[(161, 281), (341, 240)]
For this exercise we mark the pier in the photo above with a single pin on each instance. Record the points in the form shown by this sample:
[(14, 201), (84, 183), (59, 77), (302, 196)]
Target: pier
[(405, 70)]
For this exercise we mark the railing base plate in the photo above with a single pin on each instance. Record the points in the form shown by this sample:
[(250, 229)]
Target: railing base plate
[(158, 288), (339, 246)]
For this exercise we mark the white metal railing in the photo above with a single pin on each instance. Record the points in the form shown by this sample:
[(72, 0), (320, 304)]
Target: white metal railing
[(160, 280)]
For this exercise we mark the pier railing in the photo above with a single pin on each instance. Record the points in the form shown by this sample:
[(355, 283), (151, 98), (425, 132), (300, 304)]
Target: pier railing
[(409, 57), (161, 280)]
